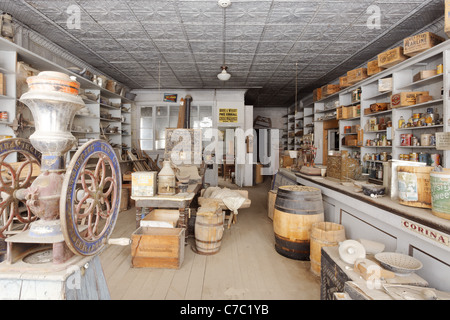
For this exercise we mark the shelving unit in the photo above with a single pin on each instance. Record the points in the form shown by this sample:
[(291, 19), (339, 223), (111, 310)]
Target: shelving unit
[(402, 77), (110, 109)]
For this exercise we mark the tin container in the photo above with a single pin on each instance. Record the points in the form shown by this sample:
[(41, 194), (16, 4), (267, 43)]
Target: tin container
[(413, 156), (435, 160), (440, 69), (425, 139), (423, 157), (405, 139)]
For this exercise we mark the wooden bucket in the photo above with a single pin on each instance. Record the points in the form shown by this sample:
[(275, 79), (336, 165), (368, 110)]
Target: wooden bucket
[(414, 187), (324, 234), (271, 197), (209, 232), (297, 208), (440, 194)]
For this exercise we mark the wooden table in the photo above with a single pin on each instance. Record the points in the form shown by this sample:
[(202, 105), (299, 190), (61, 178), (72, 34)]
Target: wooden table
[(180, 201)]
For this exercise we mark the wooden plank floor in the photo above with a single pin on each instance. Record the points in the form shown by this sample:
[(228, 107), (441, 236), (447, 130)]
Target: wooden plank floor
[(247, 266)]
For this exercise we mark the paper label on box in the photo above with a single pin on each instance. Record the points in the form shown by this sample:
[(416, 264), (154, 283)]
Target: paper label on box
[(407, 186), (442, 140)]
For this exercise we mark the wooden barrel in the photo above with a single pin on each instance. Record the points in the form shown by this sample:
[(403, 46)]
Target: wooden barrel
[(324, 234), (297, 208), (209, 232), (414, 187), (440, 194)]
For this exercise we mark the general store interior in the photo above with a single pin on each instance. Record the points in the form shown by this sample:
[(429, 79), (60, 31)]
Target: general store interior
[(225, 150)]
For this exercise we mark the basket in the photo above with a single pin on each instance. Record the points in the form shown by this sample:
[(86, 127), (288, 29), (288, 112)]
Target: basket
[(398, 263)]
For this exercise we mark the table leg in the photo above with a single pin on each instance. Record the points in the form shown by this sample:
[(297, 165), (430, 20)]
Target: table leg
[(183, 221), (139, 211)]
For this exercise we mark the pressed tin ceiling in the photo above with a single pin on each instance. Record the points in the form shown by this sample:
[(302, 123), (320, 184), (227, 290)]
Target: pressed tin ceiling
[(270, 46)]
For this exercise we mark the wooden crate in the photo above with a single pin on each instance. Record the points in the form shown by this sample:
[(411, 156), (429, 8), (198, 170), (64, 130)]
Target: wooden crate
[(373, 68), (317, 94), (420, 43), (162, 218), (343, 82), (424, 75), (157, 248), (329, 89), (391, 57), (385, 85), (356, 75), (405, 99)]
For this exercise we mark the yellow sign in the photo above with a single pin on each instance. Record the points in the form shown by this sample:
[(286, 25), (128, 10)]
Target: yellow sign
[(228, 115)]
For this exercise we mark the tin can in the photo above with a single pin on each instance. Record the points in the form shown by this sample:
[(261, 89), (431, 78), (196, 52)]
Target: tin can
[(423, 157), (405, 139), (383, 156), (413, 156), (425, 139), (4, 116), (435, 160), (433, 140), (440, 68)]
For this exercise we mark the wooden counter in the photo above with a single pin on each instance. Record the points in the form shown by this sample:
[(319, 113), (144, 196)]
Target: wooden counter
[(409, 230)]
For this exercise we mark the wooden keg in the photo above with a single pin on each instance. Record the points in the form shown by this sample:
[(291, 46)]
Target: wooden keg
[(414, 186), (209, 232), (324, 234), (297, 208)]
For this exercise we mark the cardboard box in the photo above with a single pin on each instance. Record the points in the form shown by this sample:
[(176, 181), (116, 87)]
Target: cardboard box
[(157, 247), (385, 85), (391, 57), (356, 75), (405, 99), (373, 68), (422, 75), (329, 89), (317, 94), (343, 82), (144, 184), (420, 43)]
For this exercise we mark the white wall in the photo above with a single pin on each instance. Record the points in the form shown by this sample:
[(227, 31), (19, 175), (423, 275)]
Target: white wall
[(275, 114)]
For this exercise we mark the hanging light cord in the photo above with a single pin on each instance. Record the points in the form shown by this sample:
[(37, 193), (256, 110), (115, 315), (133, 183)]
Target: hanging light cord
[(296, 85), (224, 33)]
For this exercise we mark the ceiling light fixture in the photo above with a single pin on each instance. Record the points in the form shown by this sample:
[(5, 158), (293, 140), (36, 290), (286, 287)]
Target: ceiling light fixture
[(224, 75), (224, 3)]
